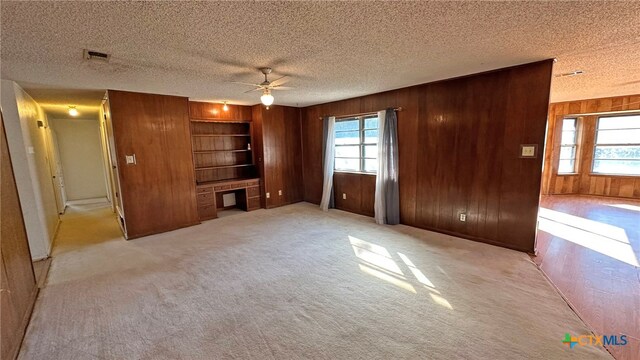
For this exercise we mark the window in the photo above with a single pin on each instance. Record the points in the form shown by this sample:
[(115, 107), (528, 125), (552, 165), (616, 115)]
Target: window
[(357, 144), (617, 149), (568, 147)]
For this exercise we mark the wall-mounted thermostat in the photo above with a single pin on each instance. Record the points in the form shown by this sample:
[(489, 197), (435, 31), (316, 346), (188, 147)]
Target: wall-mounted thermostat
[(529, 150)]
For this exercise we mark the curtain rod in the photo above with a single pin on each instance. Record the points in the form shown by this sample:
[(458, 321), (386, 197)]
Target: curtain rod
[(359, 114)]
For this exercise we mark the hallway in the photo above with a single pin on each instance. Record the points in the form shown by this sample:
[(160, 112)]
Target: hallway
[(87, 235), (589, 247)]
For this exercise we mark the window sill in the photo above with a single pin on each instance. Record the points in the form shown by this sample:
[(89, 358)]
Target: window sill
[(615, 175), (353, 172), (568, 174)]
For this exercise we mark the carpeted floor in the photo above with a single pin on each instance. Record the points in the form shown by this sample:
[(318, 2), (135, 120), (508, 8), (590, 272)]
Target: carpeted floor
[(293, 283)]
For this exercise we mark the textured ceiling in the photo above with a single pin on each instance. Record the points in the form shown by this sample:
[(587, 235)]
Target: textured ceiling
[(331, 50)]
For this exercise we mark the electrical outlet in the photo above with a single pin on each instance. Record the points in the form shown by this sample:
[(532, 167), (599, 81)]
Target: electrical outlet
[(268, 195), (463, 217), (344, 196), (280, 192)]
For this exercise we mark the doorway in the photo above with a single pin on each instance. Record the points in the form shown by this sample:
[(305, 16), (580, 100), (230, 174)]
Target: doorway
[(588, 241)]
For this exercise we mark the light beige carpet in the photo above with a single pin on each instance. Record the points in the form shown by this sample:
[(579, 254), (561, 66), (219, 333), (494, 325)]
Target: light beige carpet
[(293, 283)]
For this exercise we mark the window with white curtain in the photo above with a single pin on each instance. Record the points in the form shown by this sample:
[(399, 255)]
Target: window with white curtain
[(568, 146), (617, 147), (357, 144)]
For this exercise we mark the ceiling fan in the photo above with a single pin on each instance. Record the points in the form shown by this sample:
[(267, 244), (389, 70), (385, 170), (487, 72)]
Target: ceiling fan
[(266, 86)]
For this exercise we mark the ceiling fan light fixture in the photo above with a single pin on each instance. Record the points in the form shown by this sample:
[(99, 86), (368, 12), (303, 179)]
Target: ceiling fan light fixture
[(266, 98), (73, 111)]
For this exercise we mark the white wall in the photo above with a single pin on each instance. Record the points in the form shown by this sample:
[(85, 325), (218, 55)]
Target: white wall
[(28, 146), (80, 149)]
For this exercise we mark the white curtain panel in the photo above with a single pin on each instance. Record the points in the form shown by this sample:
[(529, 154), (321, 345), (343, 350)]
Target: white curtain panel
[(329, 155), (379, 203)]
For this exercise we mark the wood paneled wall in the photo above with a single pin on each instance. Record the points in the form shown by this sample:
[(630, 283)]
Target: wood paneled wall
[(459, 143), (158, 192), (17, 280), (278, 153), (358, 190), (583, 182), (213, 111)]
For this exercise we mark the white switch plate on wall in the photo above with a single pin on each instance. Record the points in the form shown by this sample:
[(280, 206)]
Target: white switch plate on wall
[(344, 196), (463, 217), (528, 150)]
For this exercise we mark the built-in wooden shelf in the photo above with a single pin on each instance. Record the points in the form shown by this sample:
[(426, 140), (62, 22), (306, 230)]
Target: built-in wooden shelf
[(221, 150), (221, 167)]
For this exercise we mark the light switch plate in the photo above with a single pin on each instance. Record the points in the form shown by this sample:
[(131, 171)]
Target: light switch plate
[(463, 217), (528, 150), (344, 196), (130, 159), (280, 192), (268, 195)]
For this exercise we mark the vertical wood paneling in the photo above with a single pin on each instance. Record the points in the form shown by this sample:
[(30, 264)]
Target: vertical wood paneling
[(158, 192), (213, 111), (281, 153), (459, 143), (17, 279), (584, 182)]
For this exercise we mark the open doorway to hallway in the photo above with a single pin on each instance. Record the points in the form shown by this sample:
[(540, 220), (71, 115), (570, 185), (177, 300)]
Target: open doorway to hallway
[(588, 242)]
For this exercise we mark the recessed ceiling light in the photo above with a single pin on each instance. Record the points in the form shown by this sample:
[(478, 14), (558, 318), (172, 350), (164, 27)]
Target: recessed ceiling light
[(571, 73)]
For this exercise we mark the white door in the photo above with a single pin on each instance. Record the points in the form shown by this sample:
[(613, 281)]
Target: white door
[(56, 171)]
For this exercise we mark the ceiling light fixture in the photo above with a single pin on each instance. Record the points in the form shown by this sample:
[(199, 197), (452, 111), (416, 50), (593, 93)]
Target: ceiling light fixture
[(225, 107), (267, 98), (73, 111)]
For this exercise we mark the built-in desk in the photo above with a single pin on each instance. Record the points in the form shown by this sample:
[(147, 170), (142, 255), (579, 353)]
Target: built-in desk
[(210, 196)]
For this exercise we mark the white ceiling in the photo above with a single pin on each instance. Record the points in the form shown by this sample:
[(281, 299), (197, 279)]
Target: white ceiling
[(331, 50)]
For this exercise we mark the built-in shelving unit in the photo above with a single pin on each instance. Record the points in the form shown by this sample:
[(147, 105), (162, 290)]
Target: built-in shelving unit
[(222, 150)]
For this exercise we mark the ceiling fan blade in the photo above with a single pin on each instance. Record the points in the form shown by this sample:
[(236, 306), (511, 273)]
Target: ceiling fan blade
[(243, 83), (282, 88), (252, 90), (273, 83)]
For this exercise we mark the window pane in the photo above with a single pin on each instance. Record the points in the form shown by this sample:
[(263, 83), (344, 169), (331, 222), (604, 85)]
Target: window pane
[(566, 166), (567, 152), (371, 123), (345, 125), (622, 167), (617, 152), (348, 151), (619, 122), (568, 137), (371, 151), (347, 137), (370, 165), (618, 136), (568, 124), (347, 164), (371, 136)]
